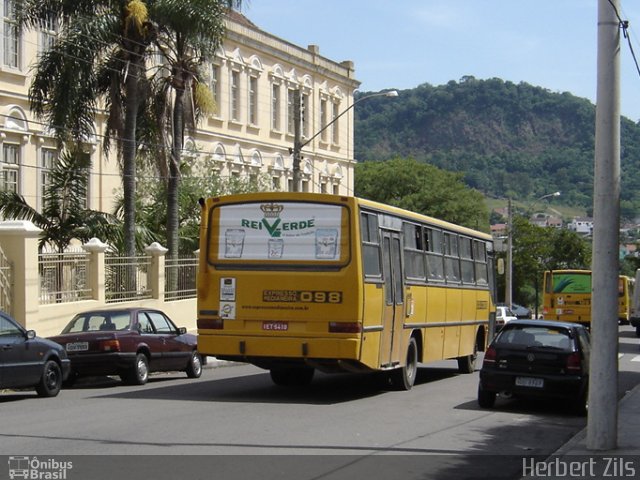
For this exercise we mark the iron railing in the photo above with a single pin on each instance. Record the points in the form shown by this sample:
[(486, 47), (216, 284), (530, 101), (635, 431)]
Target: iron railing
[(180, 278), (63, 277)]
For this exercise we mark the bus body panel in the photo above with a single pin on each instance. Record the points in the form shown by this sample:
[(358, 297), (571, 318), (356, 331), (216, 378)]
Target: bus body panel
[(436, 315)]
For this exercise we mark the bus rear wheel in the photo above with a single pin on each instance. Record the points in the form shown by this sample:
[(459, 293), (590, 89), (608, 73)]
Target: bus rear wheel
[(292, 376), (404, 377), (467, 363)]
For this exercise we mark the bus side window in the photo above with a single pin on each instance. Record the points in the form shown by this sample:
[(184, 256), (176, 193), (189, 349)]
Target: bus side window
[(433, 246), (370, 245), (466, 261), (451, 258), (480, 261), (413, 251)]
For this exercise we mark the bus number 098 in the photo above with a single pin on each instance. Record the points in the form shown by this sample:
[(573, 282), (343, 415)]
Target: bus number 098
[(321, 297)]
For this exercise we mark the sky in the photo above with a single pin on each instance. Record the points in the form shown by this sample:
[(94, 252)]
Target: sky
[(405, 43)]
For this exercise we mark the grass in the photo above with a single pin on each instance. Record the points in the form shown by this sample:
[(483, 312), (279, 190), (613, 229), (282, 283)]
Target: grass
[(567, 213)]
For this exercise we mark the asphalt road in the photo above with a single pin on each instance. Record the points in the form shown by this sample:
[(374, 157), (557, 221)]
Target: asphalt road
[(234, 421)]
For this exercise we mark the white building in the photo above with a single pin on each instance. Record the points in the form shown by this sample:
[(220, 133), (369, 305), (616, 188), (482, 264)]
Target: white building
[(583, 226), (253, 79)]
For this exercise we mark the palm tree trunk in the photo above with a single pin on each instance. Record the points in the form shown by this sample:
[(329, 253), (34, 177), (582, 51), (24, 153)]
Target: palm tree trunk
[(173, 183), (129, 166)]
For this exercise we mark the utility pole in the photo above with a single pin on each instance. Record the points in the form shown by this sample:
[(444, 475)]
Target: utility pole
[(298, 144), (602, 424), (297, 140), (508, 279)]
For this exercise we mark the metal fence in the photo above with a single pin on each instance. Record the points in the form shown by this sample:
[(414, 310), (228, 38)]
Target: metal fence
[(63, 277), (180, 278), (127, 278)]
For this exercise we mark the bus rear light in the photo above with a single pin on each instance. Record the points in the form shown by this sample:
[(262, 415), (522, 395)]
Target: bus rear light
[(345, 327), (210, 323), (489, 356)]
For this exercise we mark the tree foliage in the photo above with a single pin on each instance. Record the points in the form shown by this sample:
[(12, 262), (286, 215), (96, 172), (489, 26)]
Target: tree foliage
[(198, 181), (506, 139), (422, 188), (536, 249)]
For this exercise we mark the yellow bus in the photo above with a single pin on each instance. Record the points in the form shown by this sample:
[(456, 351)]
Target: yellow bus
[(625, 298), (567, 296), (294, 282)]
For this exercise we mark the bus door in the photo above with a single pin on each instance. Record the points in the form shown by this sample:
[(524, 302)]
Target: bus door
[(393, 312)]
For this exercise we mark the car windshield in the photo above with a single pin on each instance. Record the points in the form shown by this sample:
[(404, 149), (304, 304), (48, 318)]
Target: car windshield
[(538, 336), (98, 321)]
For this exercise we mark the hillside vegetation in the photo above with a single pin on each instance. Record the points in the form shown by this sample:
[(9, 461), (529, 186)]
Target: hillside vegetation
[(508, 140)]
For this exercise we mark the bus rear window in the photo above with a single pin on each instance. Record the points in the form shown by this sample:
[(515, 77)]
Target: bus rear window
[(279, 231), (571, 283)]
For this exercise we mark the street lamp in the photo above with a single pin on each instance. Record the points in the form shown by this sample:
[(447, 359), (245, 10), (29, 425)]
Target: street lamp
[(298, 144), (554, 194)]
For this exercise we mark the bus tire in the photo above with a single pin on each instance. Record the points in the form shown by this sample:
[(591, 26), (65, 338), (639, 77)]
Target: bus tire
[(638, 331), (292, 376), (467, 363), (404, 377)]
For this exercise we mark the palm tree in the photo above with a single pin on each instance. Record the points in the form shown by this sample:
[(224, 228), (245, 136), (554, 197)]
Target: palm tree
[(99, 55), (188, 34)]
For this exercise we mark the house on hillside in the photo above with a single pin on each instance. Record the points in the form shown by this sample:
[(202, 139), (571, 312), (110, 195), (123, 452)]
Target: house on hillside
[(546, 220), (581, 225), (498, 230)]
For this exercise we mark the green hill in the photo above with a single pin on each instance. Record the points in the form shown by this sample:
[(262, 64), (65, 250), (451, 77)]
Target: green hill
[(509, 140)]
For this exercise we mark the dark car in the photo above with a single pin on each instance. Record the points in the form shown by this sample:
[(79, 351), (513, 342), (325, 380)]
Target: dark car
[(537, 359), (129, 342), (27, 361)]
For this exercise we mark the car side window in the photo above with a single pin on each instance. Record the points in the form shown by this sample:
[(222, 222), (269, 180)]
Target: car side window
[(8, 329), (144, 324), (161, 323)]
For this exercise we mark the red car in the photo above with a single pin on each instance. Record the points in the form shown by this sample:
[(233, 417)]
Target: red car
[(129, 342)]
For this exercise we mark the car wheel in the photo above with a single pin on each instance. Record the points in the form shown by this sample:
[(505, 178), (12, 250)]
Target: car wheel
[(194, 369), (403, 378), (486, 399), (292, 377), (139, 374), (638, 331), (51, 380)]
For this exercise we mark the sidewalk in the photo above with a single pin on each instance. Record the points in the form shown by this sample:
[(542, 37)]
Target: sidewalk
[(628, 431), (573, 460)]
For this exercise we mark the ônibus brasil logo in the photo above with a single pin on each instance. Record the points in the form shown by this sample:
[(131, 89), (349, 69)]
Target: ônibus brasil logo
[(35, 468), (272, 222)]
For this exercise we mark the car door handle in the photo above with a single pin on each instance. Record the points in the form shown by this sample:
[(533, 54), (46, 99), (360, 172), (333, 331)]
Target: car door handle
[(7, 347)]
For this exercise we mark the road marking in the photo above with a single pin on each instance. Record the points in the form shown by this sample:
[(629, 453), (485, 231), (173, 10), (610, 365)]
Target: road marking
[(636, 358), (620, 355)]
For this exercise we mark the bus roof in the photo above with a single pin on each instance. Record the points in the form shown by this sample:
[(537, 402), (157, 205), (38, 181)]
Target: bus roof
[(330, 198)]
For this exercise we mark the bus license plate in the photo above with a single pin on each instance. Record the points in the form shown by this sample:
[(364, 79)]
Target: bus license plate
[(77, 347), (529, 382), (279, 326)]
